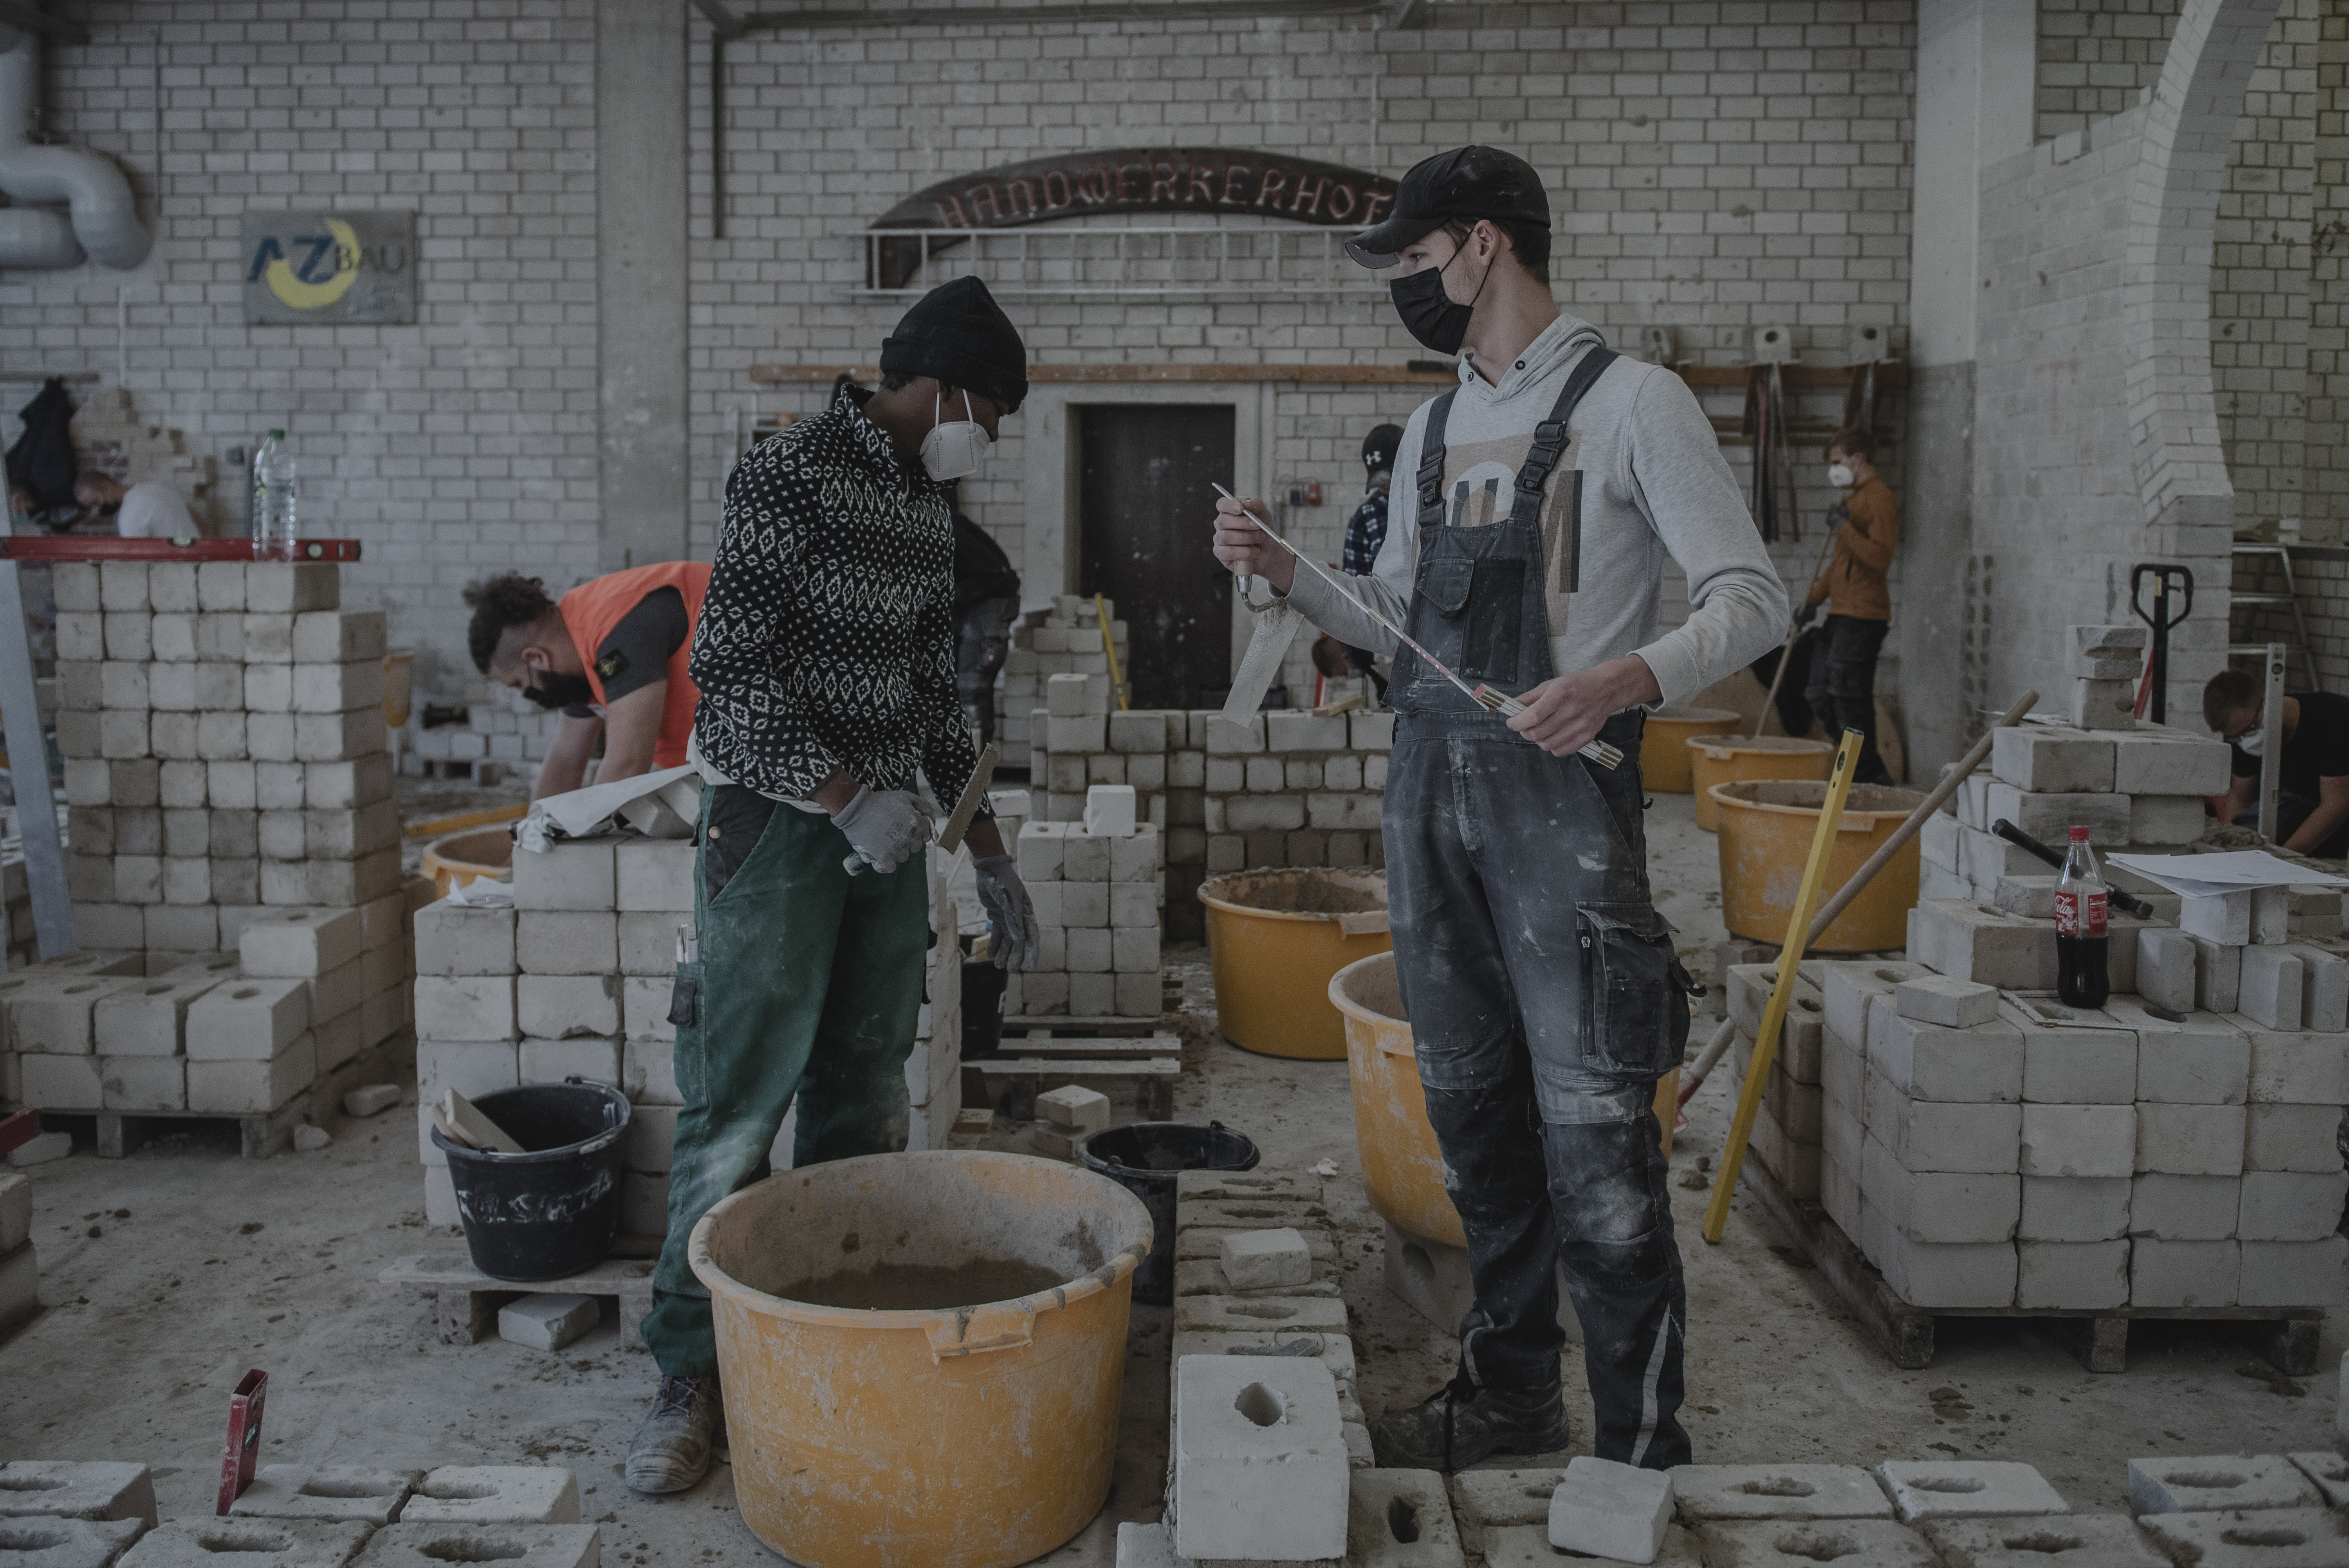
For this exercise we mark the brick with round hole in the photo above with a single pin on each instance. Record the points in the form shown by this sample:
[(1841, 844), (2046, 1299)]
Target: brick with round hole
[(1804, 1543), (2243, 1538), (1259, 1464), (2327, 1472), (66, 1542), (247, 1020), (408, 1544), (1400, 1519), (2053, 1541), (2215, 1483), (495, 1495), (351, 1492), (146, 1019), (1966, 1489), (1778, 1491), (52, 1014), (68, 1489)]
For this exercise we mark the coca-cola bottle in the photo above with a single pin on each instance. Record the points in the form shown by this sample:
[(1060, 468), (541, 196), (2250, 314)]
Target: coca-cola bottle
[(2081, 979)]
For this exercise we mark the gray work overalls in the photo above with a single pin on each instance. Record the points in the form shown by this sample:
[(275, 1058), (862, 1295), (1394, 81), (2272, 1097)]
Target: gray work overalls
[(1544, 995)]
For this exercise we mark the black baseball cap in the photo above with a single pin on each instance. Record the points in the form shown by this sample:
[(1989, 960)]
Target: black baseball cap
[(1467, 183)]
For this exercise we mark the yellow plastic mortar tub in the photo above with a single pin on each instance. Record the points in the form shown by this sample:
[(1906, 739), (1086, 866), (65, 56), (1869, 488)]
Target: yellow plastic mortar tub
[(1733, 758), (1401, 1167), (1664, 745), (1276, 937), (1766, 828), (462, 858), (951, 1397)]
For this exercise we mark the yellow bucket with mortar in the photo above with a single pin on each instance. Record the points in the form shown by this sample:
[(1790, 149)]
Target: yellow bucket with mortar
[(1664, 745), (1401, 1167), (1275, 938), (922, 1354), (462, 858), (1766, 828), (1732, 759)]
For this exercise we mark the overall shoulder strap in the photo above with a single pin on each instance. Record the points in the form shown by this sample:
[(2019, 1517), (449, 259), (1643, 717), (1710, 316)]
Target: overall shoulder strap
[(1549, 436), (1430, 462)]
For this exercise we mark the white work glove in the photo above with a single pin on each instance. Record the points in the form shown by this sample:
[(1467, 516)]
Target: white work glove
[(1011, 910), (885, 827)]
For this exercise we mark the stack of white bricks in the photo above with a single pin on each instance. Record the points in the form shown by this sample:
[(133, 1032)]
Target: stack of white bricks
[(577, 978), (241, 1034), (2179, 1147), (225, 750), (1286, 789), (20, 1265), (501, 735), (1064, 640), (1098, 892)]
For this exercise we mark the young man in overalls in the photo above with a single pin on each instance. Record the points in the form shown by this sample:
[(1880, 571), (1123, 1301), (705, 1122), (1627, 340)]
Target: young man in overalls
[(1537, 503)]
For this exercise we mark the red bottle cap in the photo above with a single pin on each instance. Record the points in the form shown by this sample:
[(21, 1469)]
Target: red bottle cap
[(2079, 835)]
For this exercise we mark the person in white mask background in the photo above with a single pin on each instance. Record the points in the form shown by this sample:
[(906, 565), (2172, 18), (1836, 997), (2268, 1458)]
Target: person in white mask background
[(1842, 689), (2311, 737), (825, 657)]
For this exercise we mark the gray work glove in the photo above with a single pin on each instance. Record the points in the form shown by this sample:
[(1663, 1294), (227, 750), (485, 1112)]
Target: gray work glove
[(885, 827), (1011, 909)]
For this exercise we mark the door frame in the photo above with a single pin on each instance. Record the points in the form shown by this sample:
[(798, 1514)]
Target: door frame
[(1052, 553)]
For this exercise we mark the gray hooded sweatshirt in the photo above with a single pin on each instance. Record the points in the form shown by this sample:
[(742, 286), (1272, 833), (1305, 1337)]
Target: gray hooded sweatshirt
[(1653, 481)]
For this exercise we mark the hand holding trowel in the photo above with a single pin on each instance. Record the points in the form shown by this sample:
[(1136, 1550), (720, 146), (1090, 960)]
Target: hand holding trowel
[(951, 833)]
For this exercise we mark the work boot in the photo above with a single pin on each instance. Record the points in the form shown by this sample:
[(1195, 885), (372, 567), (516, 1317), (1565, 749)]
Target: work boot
[(1460, 1424), (670, 1451)]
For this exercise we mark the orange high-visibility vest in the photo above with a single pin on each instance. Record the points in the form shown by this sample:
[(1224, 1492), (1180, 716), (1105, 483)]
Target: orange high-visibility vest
[(590, 611)]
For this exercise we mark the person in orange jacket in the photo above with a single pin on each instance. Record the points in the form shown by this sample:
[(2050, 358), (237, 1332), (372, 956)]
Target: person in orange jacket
[(634, 692), (1842, 689)]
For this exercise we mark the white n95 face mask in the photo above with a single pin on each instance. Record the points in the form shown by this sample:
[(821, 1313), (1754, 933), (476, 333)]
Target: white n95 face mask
[(954, 448), (2254, 742), (1839, 476)]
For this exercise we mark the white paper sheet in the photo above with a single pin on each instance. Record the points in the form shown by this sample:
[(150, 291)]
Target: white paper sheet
[(583, 812), (2237, 871)]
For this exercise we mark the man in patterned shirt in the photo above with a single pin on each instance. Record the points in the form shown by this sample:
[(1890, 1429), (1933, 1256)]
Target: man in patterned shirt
[(825, 657)]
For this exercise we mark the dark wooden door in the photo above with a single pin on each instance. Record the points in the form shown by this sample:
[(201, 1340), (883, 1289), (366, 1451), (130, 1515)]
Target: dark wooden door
[(1144, 505)]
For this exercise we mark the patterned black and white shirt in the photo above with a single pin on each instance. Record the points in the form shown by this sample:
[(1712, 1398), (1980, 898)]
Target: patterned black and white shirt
[(826, 639)]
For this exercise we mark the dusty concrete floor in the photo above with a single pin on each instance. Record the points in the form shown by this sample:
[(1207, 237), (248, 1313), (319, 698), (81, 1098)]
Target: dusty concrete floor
[(171, 1272)]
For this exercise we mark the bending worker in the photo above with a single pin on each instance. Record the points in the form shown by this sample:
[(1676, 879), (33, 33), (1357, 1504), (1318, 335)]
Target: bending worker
[(636, 693), (2312, 743), (1536, 503), (826, 662)]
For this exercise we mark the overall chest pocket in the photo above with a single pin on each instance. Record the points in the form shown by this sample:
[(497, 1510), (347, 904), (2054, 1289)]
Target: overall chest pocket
[(1482, 608), (1635, 994)]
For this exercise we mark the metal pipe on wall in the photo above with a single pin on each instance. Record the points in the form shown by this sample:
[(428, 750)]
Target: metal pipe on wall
[(101, 218)]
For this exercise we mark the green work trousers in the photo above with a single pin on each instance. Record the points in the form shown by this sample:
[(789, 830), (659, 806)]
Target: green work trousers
[(808, 984)]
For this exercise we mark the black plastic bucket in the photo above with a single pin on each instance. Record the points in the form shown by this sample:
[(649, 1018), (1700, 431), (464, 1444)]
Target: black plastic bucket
[(1145, 1159), (552, 1211), (982, 1009)]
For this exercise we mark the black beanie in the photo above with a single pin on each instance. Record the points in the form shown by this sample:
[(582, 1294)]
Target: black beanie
[(958, 334)]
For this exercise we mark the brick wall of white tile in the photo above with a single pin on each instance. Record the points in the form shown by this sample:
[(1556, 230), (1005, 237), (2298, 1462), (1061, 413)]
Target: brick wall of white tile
[(1715, 166), (2097, 58)]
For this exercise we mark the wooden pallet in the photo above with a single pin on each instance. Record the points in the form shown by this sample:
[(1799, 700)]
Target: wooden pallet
[(1047, 1024), (119, 1132), (2098, 1337), (1113, 1048), (467, 1300)]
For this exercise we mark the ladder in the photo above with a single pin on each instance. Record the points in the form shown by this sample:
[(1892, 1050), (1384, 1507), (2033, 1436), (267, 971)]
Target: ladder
[(2287, 600)]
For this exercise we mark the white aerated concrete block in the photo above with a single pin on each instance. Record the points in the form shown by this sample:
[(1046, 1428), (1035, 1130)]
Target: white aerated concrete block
[(408, 1544), (1262, 1260), (2291, 1138), (1109, 810), (2072, 1274), (247, 1020), (1928, 1135), (1970, 941), (145, 1019), (2218, 974), (2273, 983), (302, 943), (1939, 1207), (2295, 1274), (2294, 1068), (653, 874), (2325, 989), (576, 874), (2271, 915), (1603, 1508), (1080, 1111), (2184, 1273), (71, 1489), (454, 939), (2080, 1140), (547, 1321), (249, 1087), (2289, 1205), (2081, 1540), (16, 1211), (2165, 968), (495, 1495), (2240, 1538), (1777, 1491), (2188, 1057), (2047, 758), (1259, 1467), (1803, 1543), (2174, 1484), (1924, 1274), (2153, 759), (258, 1543), (1979, 1064), (465, 1007), (2073, 1209), (64, 1543), (1966, 1489), (2185, 1208), (351, 1492), (2223, 918), (2328, 1472), (1948, 1004), (2190, 1140)]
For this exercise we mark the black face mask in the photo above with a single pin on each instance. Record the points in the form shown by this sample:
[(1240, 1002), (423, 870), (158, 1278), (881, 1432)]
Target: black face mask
[(555, 689), (1428, 312)]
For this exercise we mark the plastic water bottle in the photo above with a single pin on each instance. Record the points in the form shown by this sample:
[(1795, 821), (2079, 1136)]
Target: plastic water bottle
[(2081, 977), (273, 500)]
